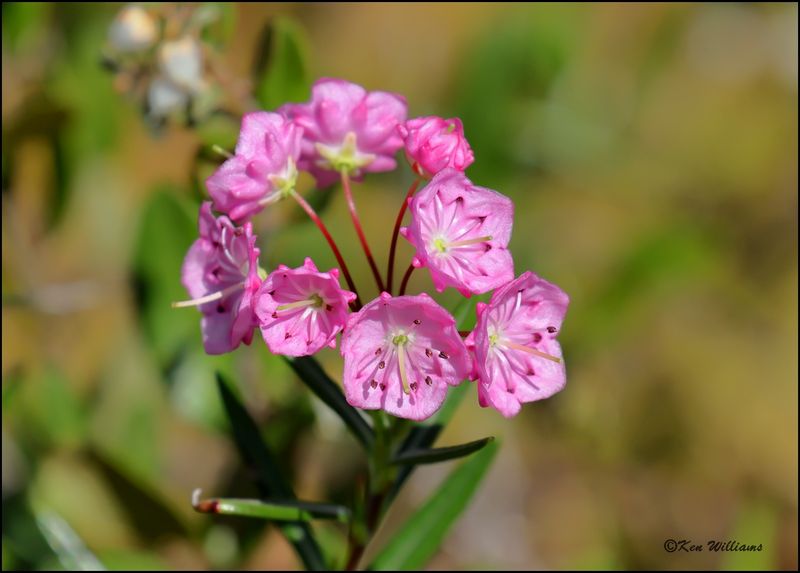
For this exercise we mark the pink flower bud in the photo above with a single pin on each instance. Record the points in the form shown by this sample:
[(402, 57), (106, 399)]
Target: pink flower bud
[(433, 143)]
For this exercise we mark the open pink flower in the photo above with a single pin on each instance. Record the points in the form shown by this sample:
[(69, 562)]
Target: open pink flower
[(461, 233), (220, 272), (348, 129), (263, 170), (433, 143), (301, 310), (517, 357), (400, 355)]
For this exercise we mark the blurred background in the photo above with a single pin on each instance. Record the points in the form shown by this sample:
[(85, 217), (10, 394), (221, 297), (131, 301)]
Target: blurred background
[(651, 151)]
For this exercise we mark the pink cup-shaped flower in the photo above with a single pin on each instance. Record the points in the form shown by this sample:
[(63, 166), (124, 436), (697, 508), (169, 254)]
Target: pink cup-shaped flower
[(433, 143), (263, 170), (461, 233), (401, 354), (517, 356), (347, 128), (301, 310), (220, 272)]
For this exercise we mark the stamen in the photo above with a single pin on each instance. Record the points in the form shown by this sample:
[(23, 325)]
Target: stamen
[(221, 151), (401, 356), (314, 300), (209, 297), (529, 350), (467, 242)]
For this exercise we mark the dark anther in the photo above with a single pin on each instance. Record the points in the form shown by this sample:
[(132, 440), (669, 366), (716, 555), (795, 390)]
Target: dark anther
[(275, 314), (428, 352), (551, 329), (443, 355), (373, 383), (417, 321), (428, 380), (537, 337), (414, 386), (381, 364), (378, 351), (383, 386), (287, 336)]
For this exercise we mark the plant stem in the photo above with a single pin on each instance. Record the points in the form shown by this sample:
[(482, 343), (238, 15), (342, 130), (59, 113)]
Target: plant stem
[(406, 276), (351, 205), (345, 271), (396, 233), (381, 477)]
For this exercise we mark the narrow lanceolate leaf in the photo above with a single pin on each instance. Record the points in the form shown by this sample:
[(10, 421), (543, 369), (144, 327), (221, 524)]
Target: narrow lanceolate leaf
[(416, 456), (273, 511), (281, 72), (269, 480), (66, 544), (422, 535), (312, 374)]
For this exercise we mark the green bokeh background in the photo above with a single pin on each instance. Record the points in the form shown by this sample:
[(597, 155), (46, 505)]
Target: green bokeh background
[(651, 151)]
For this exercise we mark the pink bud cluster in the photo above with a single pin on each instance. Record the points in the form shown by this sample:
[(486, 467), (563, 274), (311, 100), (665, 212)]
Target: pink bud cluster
[(401, 353)]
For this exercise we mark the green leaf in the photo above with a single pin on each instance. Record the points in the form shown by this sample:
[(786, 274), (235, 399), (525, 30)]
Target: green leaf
[(274, 511), (312, 374), (281, 71), (269, 480), (70, 549), (166, 230), (417, 456), (422, 534), (420, 437)]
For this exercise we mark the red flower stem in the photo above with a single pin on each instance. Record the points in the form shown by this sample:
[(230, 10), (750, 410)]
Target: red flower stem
[(404, 282), (318, 222), (397, 223), (351, 205)]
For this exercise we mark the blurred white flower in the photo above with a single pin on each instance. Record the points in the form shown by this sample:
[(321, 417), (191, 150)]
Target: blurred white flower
[(133, 30), (164, 97), (181, 61)]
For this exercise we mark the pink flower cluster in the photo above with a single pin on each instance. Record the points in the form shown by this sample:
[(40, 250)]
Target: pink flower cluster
[(401, 353)]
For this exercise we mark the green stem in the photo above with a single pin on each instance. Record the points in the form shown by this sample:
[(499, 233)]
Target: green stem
[(381, 477)]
